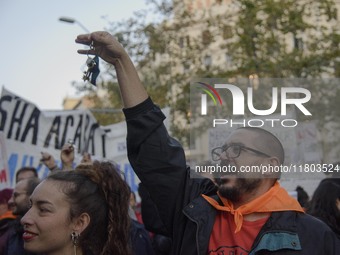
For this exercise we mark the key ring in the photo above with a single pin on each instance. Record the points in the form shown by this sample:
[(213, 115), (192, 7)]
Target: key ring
[(90, 61), (92, 71), (91, 47)]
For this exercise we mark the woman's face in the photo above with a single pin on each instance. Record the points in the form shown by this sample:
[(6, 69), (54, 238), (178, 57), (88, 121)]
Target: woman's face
[(47, 224)]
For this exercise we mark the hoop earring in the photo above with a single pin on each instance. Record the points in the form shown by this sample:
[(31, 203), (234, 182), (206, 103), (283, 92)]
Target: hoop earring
[(75, 240)]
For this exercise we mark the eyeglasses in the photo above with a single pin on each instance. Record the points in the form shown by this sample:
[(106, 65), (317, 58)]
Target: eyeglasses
[(16, 194), (232, 151)]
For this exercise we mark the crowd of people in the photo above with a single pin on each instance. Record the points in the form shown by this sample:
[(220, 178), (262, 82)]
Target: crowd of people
[(81, 210), (89, 209)]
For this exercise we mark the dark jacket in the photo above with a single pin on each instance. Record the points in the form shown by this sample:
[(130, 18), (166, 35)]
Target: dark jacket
[(6, 229), (161, 242), (140, 239), (160, 164)]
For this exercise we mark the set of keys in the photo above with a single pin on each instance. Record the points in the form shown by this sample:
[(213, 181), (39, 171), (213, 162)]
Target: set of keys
[(92, 71), (90, 63)]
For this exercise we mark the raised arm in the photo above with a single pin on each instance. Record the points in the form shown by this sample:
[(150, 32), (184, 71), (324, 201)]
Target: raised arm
[(109, 49), (156, 157)]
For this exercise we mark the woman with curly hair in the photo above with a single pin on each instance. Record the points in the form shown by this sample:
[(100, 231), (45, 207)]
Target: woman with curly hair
[(80, 212)]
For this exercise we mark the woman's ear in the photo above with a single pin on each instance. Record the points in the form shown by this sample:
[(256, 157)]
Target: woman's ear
[(81, 222)]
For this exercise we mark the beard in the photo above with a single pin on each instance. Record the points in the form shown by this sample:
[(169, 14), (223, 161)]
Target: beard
[(20, 210), (241, 186)]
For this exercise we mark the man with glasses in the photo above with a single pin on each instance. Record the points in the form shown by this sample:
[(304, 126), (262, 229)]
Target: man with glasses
[(242, 214), (248, 147), (19, 203)]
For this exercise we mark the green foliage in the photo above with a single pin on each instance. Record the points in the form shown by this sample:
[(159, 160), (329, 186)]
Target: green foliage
[(269, 38), (263, 29)]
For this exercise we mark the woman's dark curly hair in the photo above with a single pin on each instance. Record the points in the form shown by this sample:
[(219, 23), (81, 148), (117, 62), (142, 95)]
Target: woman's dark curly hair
[(98, 190)]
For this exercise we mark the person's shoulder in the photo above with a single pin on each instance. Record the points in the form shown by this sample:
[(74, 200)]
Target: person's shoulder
[(136, 224), (302, 221), (200, 185), (137, 227), (140, 238), (307, 222), (6, 225), (308, 219), (6, 222)]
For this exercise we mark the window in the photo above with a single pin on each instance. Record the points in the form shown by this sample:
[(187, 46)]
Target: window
[(188, 41), (181, 42), (206, 37), (227, 32), (186, 65), (207, 61), (298, 43), (228, 59)]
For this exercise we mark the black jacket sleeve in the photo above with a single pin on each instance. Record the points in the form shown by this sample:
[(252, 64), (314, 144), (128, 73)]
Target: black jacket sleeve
[(156, 158)]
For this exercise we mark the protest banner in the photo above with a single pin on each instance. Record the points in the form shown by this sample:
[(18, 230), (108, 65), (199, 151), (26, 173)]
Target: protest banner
[(28, 131), (4, 173)]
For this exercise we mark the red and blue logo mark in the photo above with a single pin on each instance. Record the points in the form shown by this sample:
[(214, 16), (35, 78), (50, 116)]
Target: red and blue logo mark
[(213, 94)]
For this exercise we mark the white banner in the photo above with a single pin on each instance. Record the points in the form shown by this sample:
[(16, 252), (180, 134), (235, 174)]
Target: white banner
[(4, 172), (28, 131)]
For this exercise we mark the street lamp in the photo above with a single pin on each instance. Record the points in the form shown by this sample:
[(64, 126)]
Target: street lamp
[(72, 21)]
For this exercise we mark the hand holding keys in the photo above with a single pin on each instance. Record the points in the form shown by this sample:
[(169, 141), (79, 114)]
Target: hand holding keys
[(92, 71)]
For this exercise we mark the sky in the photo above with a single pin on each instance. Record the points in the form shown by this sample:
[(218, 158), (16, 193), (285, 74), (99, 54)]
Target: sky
[(38, 52)]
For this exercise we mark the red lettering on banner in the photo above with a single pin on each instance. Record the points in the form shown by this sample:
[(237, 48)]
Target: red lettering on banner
[(3, 176)]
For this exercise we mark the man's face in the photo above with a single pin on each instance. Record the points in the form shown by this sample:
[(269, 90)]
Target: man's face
[(233, 186), (19, 201)]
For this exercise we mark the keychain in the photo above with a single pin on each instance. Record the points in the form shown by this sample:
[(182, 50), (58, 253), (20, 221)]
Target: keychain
[(92, 71)]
